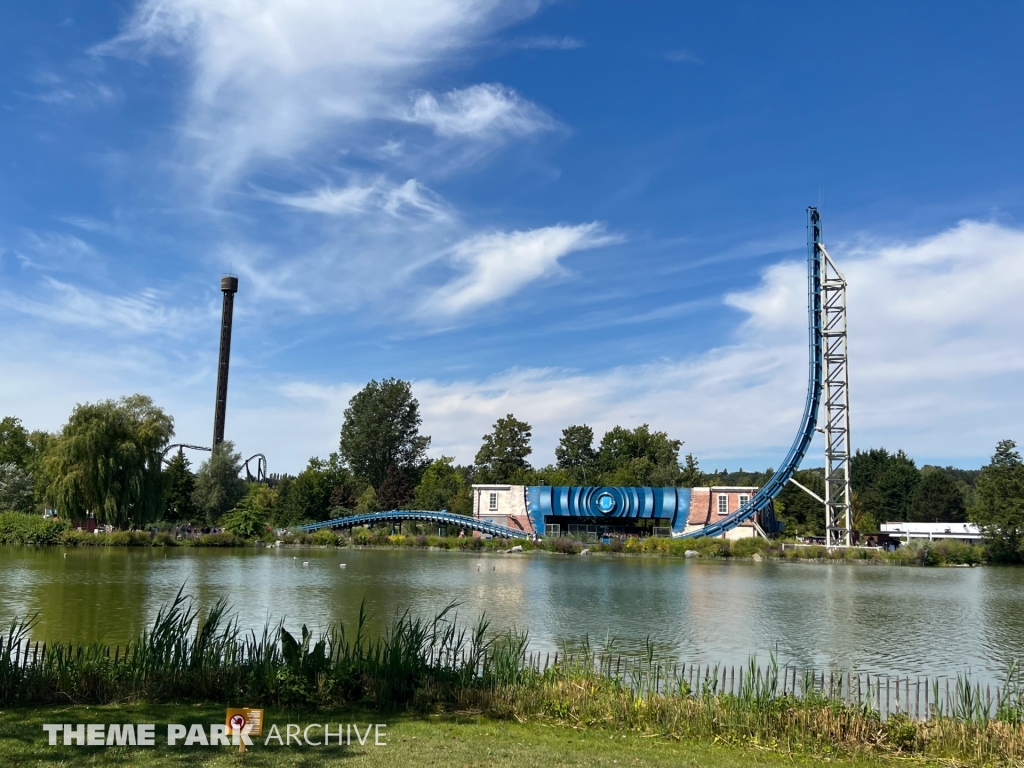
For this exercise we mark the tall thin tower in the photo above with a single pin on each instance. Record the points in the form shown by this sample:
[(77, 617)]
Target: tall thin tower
[(838, 506), (229, 287)]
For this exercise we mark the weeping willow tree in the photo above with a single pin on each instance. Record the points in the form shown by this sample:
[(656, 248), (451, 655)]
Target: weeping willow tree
[(106, 460)]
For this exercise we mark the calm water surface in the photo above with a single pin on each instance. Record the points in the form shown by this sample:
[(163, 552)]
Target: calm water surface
[(880, 619)]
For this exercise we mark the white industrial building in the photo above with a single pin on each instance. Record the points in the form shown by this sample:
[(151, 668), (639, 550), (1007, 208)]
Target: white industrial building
[(908, 532)]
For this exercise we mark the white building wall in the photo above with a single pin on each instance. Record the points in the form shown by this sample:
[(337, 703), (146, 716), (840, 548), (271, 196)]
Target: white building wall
[(510, 502)]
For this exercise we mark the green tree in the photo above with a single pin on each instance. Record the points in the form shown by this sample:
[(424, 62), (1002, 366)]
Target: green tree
[(576, 455), (368, 501), (14, 443), (343, 497), (309, 494), (396, 491), (282, 513), (885, 483), (803, 514), (896, 487), (503, 454), (381, 428), (999, 510), (40, 443), (180, 486), (639, 457), (552, 475), (937, 499), (107, 461), (443, 487), (15, 488), (691, 476), (251, 517), (218, 486)]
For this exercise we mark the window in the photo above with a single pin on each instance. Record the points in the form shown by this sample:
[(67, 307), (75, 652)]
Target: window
[(723, 504), (744, 499), (492, 503)]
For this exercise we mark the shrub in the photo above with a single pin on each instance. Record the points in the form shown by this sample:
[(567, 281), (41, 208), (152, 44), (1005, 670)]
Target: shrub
[(124, 539), (325, 537), (19, 528), (76, 538), (570, 547), (164, 539), (748, 547), (953, 552), (361, 536), (218, 540)]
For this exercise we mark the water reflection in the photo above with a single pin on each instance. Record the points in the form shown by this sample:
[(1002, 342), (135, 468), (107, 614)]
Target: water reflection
[(871, 618)]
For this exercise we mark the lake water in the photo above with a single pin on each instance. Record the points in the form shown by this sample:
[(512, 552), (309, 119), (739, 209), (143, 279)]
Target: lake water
[(878, 619)]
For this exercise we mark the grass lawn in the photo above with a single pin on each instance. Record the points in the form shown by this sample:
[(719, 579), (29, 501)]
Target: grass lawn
[(420, 742)]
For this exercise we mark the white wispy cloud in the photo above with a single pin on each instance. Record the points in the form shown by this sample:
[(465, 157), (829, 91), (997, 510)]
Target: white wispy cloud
[(549, 43), (52, 88), (142, 313), (273, 76), (88, 223), (409, 197), (480, 111), (52, 251), (499, 265), (683, 57)]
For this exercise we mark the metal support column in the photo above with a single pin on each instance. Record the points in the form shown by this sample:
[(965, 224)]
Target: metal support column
[(838, 507)]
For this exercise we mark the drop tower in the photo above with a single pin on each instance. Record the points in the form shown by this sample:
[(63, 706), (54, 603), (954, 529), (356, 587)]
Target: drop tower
[(229, 287)]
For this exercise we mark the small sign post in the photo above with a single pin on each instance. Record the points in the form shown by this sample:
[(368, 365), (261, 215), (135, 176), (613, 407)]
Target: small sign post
[(244, 721)]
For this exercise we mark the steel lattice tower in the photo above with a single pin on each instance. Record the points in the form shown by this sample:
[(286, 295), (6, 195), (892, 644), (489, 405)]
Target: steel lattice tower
[(838, 507)]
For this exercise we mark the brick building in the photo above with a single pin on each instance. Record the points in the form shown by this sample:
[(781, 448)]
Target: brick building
[(557, 511)]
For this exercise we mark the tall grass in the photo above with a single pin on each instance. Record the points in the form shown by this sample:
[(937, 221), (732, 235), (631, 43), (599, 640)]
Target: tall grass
[(426, 664), (185, 656)]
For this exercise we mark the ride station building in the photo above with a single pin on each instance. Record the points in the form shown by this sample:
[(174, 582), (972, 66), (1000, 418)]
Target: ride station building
[(554, 511)]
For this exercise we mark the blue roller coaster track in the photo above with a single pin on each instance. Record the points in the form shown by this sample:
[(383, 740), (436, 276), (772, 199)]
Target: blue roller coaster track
[(439, 518), (761, 502)]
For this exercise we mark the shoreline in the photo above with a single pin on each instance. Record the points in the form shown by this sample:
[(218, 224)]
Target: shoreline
[(762, 557)]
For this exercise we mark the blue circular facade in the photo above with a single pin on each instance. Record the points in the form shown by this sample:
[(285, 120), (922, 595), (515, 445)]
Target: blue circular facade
[(606, 503)]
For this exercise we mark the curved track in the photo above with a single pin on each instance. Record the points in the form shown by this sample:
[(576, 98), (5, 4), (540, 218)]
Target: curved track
[(397, 515), (764, 498)]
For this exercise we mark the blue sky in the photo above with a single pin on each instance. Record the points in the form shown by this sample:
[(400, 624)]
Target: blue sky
[(575, 212)]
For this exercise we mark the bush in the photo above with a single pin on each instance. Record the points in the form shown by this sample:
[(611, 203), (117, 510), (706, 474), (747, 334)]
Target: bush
[(748, 547), (219, 540), (124, 539), (19, 528), (76, 538), (570, 547), (164, 539), (325, 537), (361, 536)]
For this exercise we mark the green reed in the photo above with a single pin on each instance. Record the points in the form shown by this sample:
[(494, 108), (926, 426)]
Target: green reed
[(187, 655)]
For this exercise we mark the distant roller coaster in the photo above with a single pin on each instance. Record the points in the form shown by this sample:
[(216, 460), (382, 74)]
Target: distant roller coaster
[(827, 380), (261, 461)]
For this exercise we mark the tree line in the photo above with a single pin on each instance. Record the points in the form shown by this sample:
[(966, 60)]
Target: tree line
[(107, 461)]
